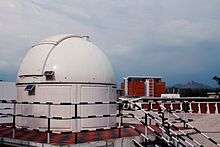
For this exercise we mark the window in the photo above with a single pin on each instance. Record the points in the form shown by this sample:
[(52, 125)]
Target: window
[(30, 89)]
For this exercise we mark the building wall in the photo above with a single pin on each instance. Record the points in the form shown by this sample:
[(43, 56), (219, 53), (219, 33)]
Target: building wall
[(67, 93), (143, 87), (8, 91), (159, 88), (136, 88)]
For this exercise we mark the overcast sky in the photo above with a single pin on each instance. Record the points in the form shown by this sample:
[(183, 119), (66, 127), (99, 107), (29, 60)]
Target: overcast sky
[(176, 39)]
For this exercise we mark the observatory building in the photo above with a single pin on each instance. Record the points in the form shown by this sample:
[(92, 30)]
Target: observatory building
[(66, 69)]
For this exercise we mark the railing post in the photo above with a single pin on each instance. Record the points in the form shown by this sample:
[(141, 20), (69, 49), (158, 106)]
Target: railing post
[(146, 126), (150, 108), (76, 111), (76, 138), (14, 115), (48, 123), (120, 114), (168, 132), (216, 108), (120, 105), (163, 117), (76, 115), (186, 109)]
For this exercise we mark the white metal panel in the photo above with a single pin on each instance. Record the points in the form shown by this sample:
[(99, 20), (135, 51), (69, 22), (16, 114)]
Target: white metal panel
[(46, 93), (96, 94), (74, 59), (68, 93), (84, 62), (55, 94), (33, 62)]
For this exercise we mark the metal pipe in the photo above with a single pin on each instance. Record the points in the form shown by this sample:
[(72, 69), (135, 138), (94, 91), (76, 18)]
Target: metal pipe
[(120, 114), (145, 129), (48, 124), (76, 111), (14, 125)]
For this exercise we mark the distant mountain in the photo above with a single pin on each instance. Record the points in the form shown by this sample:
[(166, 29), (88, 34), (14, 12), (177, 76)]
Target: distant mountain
[(192, 85)]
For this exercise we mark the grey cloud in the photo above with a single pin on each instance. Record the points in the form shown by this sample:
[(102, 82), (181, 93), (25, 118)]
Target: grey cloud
[(173, 38)]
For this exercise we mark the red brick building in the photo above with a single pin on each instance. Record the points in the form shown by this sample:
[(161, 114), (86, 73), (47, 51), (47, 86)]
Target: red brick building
[(137, 86)]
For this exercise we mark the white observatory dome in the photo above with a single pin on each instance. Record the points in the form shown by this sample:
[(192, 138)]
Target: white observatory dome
[(66, 69), (71, 58)]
